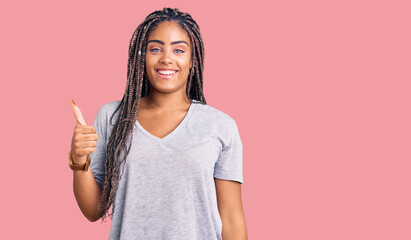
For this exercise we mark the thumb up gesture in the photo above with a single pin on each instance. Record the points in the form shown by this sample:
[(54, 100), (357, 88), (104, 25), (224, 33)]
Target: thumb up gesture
[(84, 139)]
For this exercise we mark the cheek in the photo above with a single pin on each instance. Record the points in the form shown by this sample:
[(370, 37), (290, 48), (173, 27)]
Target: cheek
[(149, 63), (185, 63)]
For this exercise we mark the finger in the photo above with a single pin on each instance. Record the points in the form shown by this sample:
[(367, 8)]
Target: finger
[(85, 138), (88, 144), (90, 137), (77, 114), (86, 150), (85, 129)]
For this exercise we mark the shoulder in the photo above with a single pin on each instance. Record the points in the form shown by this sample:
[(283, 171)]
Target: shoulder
[(215, 116), (109, 107), (102, 119), (214, 122), (106, 112)]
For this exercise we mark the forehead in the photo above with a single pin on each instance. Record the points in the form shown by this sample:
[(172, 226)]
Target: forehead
[(169, 31)]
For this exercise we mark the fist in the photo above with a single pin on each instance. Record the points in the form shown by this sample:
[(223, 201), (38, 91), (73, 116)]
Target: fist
[(84, 139)]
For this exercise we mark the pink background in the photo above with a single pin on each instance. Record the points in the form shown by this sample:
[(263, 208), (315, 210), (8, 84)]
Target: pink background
[(320, 91)]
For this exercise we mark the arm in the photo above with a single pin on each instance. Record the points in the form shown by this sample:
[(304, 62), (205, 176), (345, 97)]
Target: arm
[(86, 189), (231, 209), (87, 193)]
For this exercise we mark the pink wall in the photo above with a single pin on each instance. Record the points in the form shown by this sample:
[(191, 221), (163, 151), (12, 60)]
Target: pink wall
[(320, 91)]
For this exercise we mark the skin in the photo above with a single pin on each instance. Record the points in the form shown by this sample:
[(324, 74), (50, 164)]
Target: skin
[(159, 113), (231, 209)]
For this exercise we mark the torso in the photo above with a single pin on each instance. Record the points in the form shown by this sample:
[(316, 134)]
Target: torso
[(159, 123)]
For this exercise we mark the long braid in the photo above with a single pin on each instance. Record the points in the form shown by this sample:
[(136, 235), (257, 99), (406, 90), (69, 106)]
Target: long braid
[(137, 87)]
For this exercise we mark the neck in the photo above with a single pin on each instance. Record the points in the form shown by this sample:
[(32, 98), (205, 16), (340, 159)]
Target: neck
[(166, 101)]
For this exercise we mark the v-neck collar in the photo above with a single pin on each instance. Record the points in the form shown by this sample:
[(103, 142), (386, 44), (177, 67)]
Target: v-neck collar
[(182, 123)]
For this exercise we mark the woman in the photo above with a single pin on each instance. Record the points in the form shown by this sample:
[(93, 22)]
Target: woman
[(168, 164)]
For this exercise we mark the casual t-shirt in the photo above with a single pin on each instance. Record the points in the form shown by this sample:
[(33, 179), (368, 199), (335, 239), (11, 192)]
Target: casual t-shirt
[(167, 190)]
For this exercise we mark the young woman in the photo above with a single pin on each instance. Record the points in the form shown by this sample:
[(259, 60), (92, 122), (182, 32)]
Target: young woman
[(169, 164)]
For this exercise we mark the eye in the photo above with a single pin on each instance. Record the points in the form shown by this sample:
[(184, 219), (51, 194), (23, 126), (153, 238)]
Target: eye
[(179, 51), (155, 50)]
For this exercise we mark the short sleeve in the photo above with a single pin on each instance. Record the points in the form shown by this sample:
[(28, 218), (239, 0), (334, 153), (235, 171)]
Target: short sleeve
[(229, 165), (98, 157)]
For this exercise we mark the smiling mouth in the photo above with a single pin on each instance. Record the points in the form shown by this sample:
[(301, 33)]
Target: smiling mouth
[(166, 72)]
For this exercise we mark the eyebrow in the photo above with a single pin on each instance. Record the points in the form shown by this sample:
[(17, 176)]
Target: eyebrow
[(162, 43)]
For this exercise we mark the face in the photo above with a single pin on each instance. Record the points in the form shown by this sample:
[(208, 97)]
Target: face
[(168, 58)]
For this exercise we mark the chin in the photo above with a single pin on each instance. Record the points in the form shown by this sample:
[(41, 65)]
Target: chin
[(167, 88)]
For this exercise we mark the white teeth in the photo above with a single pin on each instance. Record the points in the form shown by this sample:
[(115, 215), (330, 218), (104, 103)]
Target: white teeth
[(166, 72)]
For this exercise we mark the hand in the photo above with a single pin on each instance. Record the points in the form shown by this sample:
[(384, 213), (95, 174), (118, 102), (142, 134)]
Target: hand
[(84, 139)]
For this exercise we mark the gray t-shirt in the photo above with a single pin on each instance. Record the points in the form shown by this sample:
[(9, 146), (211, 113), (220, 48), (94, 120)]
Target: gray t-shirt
[(167, 190)]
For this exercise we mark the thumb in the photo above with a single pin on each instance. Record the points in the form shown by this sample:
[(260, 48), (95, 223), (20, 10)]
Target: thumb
[(77, 114)]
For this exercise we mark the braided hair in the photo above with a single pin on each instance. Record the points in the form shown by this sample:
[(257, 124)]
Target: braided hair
[(137, 87)]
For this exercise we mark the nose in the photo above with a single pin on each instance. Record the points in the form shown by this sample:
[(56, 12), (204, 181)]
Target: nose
[(166, 58)]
